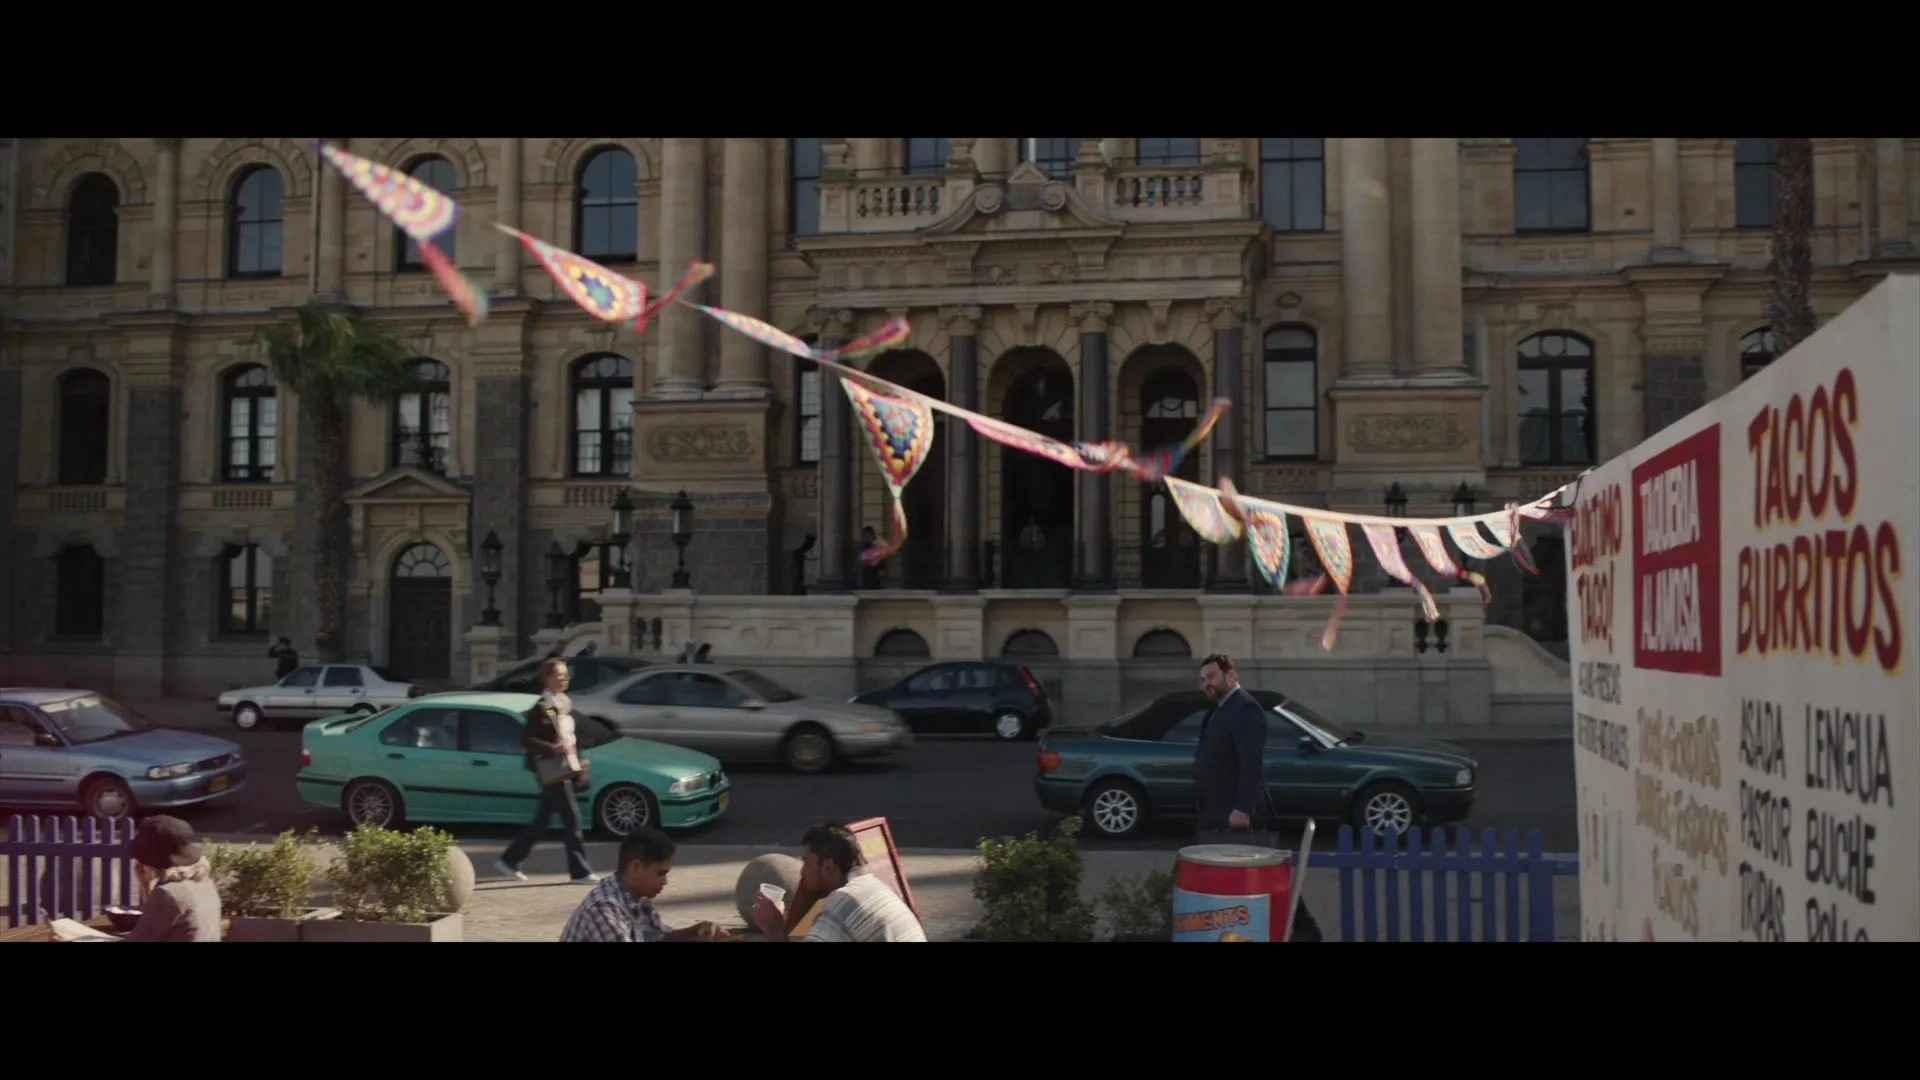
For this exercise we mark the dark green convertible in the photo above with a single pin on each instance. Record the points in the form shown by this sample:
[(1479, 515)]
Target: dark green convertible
[(1130, 770)]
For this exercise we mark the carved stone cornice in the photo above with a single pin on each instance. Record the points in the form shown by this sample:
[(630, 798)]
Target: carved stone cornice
[(961, 320), (1227, 312), (830, 321), (1092, 316)]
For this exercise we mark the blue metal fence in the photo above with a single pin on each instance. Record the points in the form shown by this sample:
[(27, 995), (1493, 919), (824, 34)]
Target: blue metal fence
[(1437, 879), (65, 867)]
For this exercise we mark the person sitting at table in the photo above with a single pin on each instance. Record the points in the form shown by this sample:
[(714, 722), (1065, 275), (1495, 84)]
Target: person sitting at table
[(857, 905), (620, 907), (181, 902)]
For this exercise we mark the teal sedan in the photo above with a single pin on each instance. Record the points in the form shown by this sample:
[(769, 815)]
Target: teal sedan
[(456, 758), (1131, 770)]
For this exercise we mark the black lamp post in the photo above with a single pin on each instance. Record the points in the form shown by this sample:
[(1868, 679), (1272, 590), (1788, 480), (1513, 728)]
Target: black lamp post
[(556, 584), (490, 573), (622, 536), (1463, 500), (682, 508), (1396, 501)]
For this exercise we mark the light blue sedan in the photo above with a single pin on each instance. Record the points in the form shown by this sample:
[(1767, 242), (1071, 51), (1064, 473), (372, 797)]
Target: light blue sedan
[(74, 749)]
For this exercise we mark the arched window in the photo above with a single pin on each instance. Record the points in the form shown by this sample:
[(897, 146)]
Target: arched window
[(1291, 379), (1162, 645), (1030, 643), (93, 231), (423, 419), (901, 643), (807, 423), (85, 400), (253, 224), (928, 155), (1167, 151), (1753, 182), (606, 223), (1054, 157), (253, 424), (436, 173), (603, 416), (1556, 400), (1550, 185), (1757, 349), (803, 186), (422, 561), (1293, 184)]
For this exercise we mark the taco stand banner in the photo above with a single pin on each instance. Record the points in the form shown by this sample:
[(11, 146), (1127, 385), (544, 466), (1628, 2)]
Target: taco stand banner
[(1744, 588)]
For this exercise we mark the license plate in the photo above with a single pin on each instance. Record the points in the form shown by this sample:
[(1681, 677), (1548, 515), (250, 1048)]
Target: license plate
[(725, 797), (218, 783)]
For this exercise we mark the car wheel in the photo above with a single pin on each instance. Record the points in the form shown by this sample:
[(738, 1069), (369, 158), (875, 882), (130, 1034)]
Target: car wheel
[(1386, 805), (625, 809), (1116, 809), (247, 716), (375, 803), (808, 749), (106, 797), (1010, 726)]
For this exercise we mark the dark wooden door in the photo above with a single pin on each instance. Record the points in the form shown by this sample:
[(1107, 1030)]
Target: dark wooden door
[(420, 620)]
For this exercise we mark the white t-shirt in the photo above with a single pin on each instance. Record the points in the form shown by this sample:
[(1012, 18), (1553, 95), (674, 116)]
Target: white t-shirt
[(562, 707)]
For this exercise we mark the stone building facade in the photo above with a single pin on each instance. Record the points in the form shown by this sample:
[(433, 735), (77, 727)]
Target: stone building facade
[(1427, 313)]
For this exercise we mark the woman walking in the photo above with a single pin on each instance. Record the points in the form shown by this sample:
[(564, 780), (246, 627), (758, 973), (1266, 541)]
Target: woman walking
[(553, 757)]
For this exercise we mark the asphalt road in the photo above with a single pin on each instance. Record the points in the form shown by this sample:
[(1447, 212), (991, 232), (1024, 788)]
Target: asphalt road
[(943, 793)]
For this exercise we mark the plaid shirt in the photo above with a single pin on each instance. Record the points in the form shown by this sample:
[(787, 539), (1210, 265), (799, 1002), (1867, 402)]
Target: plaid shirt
[(611, 913)]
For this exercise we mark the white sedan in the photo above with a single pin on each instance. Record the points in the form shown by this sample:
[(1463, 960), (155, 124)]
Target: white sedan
[(317, 690)]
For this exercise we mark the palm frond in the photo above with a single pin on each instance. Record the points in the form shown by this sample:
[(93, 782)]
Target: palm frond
[(333, 356)]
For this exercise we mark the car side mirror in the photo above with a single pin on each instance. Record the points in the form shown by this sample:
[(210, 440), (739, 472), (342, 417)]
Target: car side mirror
[(45, 739), (1308, 746)]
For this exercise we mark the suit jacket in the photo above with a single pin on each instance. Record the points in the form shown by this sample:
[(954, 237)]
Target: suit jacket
[(1229, 764)]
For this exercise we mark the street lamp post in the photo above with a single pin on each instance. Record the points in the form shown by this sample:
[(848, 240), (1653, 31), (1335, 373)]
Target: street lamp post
[(1396, 501), (490, 573), (622, 536), (682, 508), (1463, 500), (556, 582)]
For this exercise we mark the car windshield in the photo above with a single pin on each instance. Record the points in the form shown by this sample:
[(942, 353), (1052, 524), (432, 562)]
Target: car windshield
[(589, 732), (523, 673), (762, 687), (92, 719), (1335, 731)]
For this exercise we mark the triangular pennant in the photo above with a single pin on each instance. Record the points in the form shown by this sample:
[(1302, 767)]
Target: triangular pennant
[(900, 434), (1385, 543)]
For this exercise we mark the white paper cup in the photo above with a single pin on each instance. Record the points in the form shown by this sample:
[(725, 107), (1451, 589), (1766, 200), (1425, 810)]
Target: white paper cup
[(774, 893)]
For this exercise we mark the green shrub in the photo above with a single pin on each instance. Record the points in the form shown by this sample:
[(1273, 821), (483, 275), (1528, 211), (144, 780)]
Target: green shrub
[(386, 876), (1031, 887), (1140, 906), (273, 881)]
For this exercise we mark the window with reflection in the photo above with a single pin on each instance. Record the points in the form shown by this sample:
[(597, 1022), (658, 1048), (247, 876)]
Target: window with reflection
[(1167, 151), (1753, 161), (809, 417), (592, 572), (1550, 185), (247, 584), (603, 416), (85, 402), (436, 173), (1290, 368), (928, 155), (93, 231), (423, 419), (803, 186), (254, 223), (253, 424), (1293, 184), (606, 222), (1757, 350), (1556, 400), (1051, 156)]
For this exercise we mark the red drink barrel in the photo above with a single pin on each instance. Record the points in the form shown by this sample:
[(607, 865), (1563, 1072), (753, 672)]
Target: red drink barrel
[(1231, 892)]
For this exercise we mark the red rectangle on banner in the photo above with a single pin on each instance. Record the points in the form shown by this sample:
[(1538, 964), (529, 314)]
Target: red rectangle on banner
[(1676, 557)]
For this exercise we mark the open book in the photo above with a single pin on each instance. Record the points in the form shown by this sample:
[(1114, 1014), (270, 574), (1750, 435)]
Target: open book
[(71, 930)]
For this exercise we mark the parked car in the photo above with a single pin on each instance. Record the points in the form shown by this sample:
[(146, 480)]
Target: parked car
[(1140, 766), (457, 758), (318, 690), (586, 672), (741, 715), (68, 749), (968, 699)]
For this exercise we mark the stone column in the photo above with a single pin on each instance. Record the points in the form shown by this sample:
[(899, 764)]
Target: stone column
[(330, 260), (499, 485), (743, 265), (680, 366), (869, 157), (506, 210), (166, 223), (1366, 259), (1229, 316), (995, 157), (1667, 246), (1093, 525), (963, 449), (836, 465), (1890, 179), (148, 579), (1439, 321)]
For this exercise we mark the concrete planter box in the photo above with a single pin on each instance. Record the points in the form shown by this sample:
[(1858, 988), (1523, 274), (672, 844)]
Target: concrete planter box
[(451, 927), (250, 928)]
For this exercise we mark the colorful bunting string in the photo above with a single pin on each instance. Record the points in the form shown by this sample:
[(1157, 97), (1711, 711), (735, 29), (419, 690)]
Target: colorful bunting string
[(422, 212)]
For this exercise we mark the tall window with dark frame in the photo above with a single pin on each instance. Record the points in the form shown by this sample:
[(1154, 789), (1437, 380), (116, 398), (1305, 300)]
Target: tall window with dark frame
[(1753, 182), (1291, 378), (254, 226), (246, 598), (253, 424), (1293, 184), (423, 419), (803, 186), (592, 572), (1556, 400), (1166, 151), (809, 416), (606, 219), (1550, 186), (1757, 349), (603, 416), (1051, 156), (86, 398), (436, 173), (80, 592), (927, 156), (93, 231)]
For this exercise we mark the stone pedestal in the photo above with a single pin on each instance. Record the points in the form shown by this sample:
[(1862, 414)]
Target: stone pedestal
[(616, 620), (486, 651), (1414, 435), (674, 609), (1226, 624), (545, 639), (959, 624)]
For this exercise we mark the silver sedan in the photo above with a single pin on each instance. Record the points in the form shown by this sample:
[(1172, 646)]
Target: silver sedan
[(317, 690), (741, 715)]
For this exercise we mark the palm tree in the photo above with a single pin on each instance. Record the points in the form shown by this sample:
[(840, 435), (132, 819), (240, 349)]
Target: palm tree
[(334, 359), (1790, 308)]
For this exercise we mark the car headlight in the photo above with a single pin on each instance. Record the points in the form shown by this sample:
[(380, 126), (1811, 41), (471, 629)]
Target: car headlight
[(689, 784), (168, 772), (1463, 777), (869, 727)]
